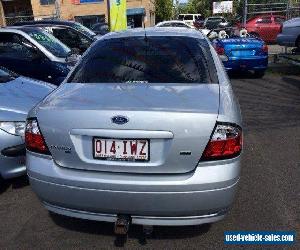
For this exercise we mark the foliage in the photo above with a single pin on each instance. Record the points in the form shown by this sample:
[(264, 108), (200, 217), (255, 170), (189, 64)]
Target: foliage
[(163, 10)]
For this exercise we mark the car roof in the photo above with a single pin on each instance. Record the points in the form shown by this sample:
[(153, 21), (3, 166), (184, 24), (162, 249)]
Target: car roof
[(57, 22), (172, 21), (15, 29), (215, 17), (153, 31)]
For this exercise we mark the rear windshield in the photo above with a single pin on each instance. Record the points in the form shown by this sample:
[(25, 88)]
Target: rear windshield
[(147, 60)]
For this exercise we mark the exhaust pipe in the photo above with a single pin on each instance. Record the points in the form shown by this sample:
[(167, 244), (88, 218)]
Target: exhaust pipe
[(122, 224)]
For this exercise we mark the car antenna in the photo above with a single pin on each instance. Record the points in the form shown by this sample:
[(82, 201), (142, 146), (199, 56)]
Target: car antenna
[(145, 38)]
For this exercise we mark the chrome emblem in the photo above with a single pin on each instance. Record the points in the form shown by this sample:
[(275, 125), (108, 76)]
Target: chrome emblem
[(120, 120)]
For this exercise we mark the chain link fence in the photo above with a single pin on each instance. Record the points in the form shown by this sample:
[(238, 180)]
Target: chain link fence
[(288, 8)]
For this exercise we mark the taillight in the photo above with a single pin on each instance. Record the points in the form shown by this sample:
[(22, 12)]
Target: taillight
[(34, 139), (265, 48), (281, 27), (226, 142), (220, 50)]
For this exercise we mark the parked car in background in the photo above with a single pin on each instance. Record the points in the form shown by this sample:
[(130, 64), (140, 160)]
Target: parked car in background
[(68, 35), (189, 18), (267, 27), (148, 115), (242, 53), (174, 23), (290, 33), (17, 96), (199, 22), (33, 52), (100, 29), (214, 22), (79, 27)]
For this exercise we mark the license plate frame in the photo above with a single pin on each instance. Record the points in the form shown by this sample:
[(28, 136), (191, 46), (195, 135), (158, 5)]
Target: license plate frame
[(120, 159)]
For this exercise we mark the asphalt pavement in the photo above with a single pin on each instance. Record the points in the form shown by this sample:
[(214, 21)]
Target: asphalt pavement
[(268, 196)]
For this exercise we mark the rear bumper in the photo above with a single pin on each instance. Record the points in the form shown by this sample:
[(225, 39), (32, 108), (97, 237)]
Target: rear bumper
[(203, 196), (139, 220), (286, 40), (246, 63)]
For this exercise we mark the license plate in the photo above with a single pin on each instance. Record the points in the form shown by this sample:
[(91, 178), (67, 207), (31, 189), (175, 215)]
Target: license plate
[(241, 53), (121, 149)]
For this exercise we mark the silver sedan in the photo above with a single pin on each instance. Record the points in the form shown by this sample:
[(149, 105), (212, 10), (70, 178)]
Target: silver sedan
[(17, 96), (145, 129)]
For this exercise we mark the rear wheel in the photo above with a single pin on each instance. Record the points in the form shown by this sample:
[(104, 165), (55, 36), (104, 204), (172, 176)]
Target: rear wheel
[(298, 43), (259, 73)]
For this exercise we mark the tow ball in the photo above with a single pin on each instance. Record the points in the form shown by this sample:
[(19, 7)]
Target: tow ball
[(122, 224)]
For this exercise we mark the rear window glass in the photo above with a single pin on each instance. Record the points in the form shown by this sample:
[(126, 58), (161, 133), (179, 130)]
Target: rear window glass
[(264, 20), (147, 60)]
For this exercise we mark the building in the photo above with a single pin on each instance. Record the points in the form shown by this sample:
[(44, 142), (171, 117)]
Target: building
[(87, 12)]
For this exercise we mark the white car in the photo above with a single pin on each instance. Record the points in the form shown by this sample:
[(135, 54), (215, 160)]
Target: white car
[(189, 18), (174, 23)]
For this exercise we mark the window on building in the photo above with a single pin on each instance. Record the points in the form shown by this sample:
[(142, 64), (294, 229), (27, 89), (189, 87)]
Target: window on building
[(90, 1), (47, 2), (89, 21)]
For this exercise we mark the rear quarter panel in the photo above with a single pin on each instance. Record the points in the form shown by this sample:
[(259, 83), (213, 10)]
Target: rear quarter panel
[(229, 109)]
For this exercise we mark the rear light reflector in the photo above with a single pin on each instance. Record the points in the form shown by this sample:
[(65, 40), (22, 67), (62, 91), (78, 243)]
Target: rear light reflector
[(34, 139), (226, 142), (220, 50), (265, 48)]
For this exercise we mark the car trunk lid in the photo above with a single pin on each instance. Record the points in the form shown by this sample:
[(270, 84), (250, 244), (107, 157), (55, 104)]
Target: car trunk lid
[(242, 47), (176, 119)]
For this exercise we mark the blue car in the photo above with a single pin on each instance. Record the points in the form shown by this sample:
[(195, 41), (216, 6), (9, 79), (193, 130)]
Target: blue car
[(242, 54)]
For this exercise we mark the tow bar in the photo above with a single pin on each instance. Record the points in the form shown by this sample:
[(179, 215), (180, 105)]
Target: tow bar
[(122, 224)]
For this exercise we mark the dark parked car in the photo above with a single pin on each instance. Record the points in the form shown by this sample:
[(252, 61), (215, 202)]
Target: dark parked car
[(74, 39), (69, 34), (75, 25), (214, 22), (34, 53)]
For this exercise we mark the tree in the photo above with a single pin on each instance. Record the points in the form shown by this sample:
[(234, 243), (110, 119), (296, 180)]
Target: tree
[(163, 10), (203, 7)]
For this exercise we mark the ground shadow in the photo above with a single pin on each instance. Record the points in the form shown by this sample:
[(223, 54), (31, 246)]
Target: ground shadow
[(241, 75), (292, 81), (135, 231), (15, 183)]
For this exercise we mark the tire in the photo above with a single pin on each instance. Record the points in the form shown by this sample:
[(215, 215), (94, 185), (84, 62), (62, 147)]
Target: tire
[(298, 43), (259, 73)]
